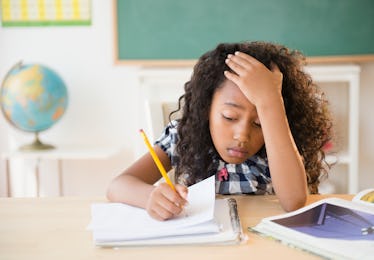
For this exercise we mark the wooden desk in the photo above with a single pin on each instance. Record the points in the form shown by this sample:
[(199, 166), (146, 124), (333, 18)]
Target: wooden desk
[(55, 228)]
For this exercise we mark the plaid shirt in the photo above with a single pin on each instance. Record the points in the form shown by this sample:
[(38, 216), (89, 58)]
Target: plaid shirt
[(249, 177)]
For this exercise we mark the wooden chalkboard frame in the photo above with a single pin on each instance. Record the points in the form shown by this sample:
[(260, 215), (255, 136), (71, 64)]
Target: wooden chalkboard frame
[(326, 59)]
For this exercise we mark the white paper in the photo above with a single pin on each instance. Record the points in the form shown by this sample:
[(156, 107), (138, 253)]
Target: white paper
[(117, 221)]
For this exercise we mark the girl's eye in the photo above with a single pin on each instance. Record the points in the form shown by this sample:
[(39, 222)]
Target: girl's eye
[(229, 118), (257, 124)]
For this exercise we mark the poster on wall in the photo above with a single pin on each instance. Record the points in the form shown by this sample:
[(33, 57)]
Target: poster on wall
[(45, 12)]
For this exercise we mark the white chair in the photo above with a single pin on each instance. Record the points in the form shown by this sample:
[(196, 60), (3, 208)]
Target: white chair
[(160, 90)]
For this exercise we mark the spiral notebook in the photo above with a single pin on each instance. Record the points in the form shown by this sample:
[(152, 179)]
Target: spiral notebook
[(205, 221)]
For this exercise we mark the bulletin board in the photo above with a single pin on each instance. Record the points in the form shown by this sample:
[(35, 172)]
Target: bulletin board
[(27, 13)]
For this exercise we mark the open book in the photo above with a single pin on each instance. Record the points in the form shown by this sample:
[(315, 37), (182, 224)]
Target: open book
[(204, 221), (332, 227)]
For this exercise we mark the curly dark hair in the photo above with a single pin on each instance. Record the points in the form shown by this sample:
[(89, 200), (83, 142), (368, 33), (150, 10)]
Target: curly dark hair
[(305, 104)]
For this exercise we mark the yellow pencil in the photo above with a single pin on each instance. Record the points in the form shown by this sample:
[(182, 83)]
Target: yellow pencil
[(157, 160)]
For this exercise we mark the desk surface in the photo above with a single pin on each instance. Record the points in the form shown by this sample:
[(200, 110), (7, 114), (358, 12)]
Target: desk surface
[(55, 228)]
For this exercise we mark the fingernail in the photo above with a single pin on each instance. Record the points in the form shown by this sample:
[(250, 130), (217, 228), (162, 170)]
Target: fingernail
[(185, 206), (237, 52), (229, 55), (227, 60)]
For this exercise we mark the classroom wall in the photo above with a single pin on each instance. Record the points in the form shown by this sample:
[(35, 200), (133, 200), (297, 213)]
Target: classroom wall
[(102, 98), (102, 105)]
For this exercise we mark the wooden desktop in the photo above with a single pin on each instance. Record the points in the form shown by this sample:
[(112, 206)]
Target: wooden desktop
[(56, 228)]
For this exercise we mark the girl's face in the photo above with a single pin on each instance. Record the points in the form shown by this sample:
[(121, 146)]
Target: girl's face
[(234, 125)]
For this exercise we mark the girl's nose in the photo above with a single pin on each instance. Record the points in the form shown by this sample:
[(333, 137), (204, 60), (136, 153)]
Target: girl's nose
[(241, 140), (242, 135)]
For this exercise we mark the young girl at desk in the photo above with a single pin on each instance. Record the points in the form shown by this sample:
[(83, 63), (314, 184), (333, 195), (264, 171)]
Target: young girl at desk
[(251, 117)]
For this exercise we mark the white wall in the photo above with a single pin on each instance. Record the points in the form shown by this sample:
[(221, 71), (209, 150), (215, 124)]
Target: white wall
[(102, 96), (103, 104)]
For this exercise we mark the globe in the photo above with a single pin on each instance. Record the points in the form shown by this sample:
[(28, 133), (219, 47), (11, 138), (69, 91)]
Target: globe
[(33, 98)]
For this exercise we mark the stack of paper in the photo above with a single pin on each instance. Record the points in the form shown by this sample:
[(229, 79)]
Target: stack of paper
[(204, 220)]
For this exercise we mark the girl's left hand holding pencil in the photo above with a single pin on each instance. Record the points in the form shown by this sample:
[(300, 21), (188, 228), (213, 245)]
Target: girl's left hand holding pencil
[(165, 203)]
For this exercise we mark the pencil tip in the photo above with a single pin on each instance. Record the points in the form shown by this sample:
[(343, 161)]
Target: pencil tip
[(141, 130)]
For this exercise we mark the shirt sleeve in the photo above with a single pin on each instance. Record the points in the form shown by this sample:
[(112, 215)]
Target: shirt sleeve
[(168, 141)]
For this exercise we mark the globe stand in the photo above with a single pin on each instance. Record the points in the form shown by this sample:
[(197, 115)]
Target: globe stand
[(36, 145)]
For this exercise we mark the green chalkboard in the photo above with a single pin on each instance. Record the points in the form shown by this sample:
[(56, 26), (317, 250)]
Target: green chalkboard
[(174, 30)]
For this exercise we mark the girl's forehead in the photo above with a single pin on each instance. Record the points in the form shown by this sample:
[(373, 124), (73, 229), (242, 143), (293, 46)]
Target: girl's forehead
[(228, 88), (229, 93), (230, 98)]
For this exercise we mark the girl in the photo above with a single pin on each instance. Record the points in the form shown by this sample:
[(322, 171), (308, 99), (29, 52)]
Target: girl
[(252, 118)]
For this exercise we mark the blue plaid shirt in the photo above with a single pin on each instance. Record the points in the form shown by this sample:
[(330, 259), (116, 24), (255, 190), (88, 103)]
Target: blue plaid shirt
[(249, 177)]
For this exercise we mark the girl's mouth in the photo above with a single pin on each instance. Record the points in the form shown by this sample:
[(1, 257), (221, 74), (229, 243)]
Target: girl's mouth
[(237, 152)]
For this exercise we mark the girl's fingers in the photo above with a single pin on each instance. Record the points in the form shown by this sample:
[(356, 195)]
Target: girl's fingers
[(276, 71), (232, 76), (239, 60), (236, 67), (274, 67), (163, 209), (248, 58), (175, 197), (167, 209), (182, 191), (166, 203), (156, 214)]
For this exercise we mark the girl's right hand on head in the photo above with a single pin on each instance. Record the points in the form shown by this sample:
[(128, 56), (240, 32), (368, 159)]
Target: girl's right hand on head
[(255, 80), (164, 203)]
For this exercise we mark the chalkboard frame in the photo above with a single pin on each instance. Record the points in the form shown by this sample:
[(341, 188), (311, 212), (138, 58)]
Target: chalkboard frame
[(323, 59)]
